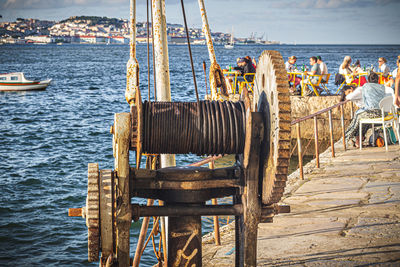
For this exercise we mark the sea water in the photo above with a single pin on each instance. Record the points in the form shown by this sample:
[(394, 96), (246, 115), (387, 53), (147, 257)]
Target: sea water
[(47, 138)]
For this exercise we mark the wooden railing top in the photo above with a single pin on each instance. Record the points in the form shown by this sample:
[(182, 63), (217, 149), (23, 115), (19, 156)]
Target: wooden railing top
[(318, 113)]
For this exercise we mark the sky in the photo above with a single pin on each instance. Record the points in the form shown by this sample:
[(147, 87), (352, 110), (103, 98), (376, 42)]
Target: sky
[(287, 21)]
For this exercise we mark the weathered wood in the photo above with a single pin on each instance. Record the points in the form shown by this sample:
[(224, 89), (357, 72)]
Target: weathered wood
[(251, 201), (316, 141), (142, 184), (123, 212), (106, 213), (299, 151), (214, 201)]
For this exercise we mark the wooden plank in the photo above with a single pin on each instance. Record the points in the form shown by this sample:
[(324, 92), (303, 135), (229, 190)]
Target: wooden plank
[(123, 213)]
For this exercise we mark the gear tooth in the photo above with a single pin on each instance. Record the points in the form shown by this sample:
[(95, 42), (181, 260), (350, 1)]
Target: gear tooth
[(93, 212)]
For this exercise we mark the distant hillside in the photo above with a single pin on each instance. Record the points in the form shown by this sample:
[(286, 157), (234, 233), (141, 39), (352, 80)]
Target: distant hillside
[(94, 20)]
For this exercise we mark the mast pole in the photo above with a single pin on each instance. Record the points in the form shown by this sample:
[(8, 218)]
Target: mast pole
[(132, 66), (217, 79)]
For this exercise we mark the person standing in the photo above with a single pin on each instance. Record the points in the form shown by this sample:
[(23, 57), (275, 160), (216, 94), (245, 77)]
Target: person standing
[(323, 68)]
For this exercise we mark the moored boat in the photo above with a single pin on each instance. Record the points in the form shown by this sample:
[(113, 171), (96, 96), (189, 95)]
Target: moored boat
[(16, 81)]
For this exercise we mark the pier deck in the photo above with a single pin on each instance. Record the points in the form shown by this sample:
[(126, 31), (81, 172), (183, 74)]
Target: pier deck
[(347, 213)]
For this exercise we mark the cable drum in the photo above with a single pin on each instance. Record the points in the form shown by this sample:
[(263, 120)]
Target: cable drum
[(207, 128)]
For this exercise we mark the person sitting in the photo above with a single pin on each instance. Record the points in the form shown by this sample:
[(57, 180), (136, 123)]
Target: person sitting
[(315, 70), (346, 70), (384, 69), (289, 65), (253, 61), (356, 71), (390, 82), (323, 68), (245, 66), (294, 81), (367, 98)]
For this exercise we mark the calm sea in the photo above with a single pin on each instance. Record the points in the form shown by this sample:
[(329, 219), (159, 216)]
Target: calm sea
[(48, 137)]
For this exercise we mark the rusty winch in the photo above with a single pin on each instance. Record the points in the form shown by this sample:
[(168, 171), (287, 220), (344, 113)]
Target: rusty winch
[(258, 134)]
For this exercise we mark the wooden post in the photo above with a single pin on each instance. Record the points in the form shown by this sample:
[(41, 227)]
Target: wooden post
[(217, 236), (331, 133), (299, 152), (316, 141), (124, 212), (250, 199), (343, 129)]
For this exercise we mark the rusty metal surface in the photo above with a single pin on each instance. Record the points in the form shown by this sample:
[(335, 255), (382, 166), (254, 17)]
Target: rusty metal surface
[(184, 246), (132, 66), (93, 212), (271, 88), (107, 214)]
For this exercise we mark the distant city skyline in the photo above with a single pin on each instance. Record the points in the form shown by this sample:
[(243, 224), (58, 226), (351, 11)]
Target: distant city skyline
[(289, 21)]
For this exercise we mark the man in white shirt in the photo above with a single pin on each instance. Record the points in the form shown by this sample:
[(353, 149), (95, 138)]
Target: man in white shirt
[(322, 67)]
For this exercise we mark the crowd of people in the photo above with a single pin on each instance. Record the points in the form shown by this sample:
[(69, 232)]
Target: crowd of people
[(348, 73)]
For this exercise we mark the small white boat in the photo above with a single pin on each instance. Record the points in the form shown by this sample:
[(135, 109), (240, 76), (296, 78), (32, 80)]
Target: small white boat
[(16, 81), (231, 43)]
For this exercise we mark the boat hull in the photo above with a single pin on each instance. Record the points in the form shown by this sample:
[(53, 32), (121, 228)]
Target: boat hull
[(8, 87)]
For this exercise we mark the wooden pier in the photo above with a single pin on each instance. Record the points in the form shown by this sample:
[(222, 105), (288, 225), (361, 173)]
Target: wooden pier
[(346, 213)]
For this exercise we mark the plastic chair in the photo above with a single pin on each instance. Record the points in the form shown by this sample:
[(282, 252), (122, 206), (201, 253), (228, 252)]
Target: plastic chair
[(347, 77), (246, 82), (314, 86), (386, 105), (324, 82)]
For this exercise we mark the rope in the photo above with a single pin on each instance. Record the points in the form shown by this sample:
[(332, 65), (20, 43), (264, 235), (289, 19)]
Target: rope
[(190, 51), (207, 128)]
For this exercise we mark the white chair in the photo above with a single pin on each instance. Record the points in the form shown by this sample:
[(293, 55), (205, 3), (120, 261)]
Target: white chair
[(386, 105)]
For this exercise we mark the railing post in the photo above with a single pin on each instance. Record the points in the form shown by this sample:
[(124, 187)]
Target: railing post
[(299, 152), (343, 130), (316, 141), (331, 133), (217, 236)]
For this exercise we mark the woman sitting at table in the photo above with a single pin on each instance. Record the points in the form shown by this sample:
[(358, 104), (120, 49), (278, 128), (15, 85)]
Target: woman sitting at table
[(290, 67), (245, 66), (357, 70), (346, 70), (390, 82), (384, 69)]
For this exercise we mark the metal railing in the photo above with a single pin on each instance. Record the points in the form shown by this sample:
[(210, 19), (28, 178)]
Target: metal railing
[(314, 116)]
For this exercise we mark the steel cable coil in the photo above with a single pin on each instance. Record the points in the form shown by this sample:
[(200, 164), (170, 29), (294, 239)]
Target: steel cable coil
[(207, 128)]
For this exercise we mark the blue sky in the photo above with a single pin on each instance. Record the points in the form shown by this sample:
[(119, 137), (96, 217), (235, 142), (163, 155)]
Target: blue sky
[(303, 22)]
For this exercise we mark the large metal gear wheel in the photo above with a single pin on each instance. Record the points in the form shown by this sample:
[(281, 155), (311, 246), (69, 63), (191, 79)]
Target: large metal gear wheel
[(92, 211), (107, 213), (271, 96)]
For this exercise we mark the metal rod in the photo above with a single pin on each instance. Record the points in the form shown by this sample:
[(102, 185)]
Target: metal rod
[(331, 133), (142, 237), (217, 236), (343, 129), (318, 113), (299, 152), (204, 210), (164, 235), (190, 51), (207, 33), (152, 47), (205, 161), (205, 75), (351, 110), (316, 141), (148, 49), (162, 64)]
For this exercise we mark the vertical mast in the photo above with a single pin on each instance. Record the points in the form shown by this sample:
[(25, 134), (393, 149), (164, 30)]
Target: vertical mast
[(162, 64), (132, 67), (217, 80)]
